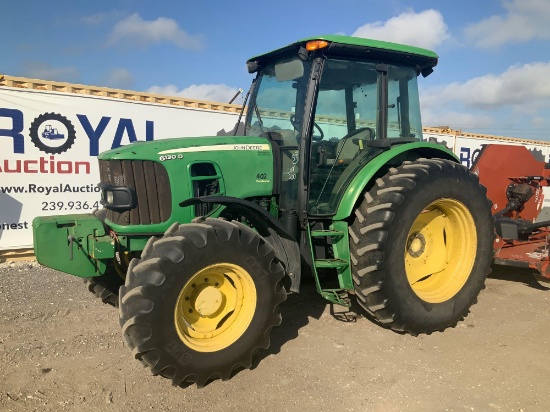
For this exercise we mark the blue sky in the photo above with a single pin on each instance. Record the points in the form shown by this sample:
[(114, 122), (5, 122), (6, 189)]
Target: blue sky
[(492, 76)]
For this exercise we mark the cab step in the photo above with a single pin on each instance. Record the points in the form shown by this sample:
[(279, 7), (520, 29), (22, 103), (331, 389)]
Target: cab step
[(331, 263), (337, 296), (327, 233)]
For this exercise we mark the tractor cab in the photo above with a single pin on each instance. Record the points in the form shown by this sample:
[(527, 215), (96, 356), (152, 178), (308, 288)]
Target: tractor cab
[(330, 105)]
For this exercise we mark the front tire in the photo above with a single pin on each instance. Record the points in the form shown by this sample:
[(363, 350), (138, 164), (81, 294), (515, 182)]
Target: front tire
[(106, 286), (421, 246), (201, 301)]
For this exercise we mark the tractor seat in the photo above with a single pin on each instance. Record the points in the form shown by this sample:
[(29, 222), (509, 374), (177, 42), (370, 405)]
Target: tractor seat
[(349, 147)]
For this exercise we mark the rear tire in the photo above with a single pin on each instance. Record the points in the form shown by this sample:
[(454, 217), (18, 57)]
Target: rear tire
[(421, 246), (201, 301)]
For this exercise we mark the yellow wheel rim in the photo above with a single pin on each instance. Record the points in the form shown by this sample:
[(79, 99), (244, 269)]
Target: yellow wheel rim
[(440, 250), (215, 307)]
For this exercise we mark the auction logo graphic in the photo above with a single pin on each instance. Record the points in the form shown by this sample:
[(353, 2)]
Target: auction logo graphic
[(52, 133)]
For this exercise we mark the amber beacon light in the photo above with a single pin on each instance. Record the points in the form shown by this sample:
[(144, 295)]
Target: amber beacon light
[(316, 44)]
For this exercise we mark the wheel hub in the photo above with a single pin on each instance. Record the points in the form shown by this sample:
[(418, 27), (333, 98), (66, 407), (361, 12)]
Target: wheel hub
[(416, 245), (208, 301)]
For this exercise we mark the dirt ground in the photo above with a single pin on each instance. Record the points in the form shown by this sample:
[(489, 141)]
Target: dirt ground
[(61, 349)]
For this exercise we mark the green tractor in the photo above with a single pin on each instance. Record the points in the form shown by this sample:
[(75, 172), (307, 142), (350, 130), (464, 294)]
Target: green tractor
[(201, 238)]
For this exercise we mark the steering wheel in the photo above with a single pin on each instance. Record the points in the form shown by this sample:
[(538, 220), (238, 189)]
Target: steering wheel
[(322, 135), (315, 125), (358, 131)]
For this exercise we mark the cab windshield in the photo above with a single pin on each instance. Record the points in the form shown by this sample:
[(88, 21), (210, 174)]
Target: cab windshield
[(278, 102), (277, 110)]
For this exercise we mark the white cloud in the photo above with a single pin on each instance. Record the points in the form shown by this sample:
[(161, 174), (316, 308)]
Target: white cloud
[(524, 20), (425, 29), (212, 92), (511, 102), (517, 86), (134, 30), (44, 71), (455, 119), (95, 19), (119, 78)]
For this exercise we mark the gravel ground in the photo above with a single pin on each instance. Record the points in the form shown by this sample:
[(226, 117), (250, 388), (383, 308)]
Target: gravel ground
[(61, 349)]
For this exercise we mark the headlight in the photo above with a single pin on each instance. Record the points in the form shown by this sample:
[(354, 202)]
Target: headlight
[(117, 197)]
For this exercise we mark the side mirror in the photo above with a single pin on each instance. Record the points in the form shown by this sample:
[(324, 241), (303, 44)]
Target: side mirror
[(252, 66)]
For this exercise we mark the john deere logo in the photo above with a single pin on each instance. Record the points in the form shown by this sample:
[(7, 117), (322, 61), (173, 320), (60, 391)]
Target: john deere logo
[(52, 133)]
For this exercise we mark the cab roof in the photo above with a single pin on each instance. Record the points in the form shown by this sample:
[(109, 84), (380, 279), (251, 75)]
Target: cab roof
[(359, 48)]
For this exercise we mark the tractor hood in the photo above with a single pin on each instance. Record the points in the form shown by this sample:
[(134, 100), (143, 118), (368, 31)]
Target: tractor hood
[(178, 148), (144, 183)]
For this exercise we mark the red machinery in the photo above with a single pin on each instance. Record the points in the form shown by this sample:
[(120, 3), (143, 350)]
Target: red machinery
[(514, 179)]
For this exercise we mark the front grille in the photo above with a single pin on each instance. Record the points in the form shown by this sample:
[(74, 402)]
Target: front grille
[(150, 182)]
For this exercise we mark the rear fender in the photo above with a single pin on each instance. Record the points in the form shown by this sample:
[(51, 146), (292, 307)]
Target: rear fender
[(380, 164)]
